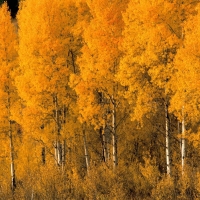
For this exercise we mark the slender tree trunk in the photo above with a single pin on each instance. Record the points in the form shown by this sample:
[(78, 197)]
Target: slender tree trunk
[(10, 134), (86, 152), (63, 121), (56, 153), (12, 166), (104, 144), (114, 135), (179, 131), (183, 141), (167, 131), (109, 151), (63, 153), (59, 153), (58, 145), (183, 128), (32, 194), (105, 147)]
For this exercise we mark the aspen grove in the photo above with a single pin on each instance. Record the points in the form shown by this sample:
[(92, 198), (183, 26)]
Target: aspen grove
[(99, 99)]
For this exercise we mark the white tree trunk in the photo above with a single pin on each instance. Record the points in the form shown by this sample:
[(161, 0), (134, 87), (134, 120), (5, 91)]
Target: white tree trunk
[(105, 150), (183, 141), (114, 135), (58, 145), (59, 153), (10, 134), (63, 153), (104, 143), (12, 166), (86, 152), (167, 131)]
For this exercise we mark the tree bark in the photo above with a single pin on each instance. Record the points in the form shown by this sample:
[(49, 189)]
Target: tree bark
[(183, 141), (58, 153), (86, 152), (179, 131), (114, 135), (12, 166), (58, 145), (63, 153), (104, 144), (167, 131), (10, 134)]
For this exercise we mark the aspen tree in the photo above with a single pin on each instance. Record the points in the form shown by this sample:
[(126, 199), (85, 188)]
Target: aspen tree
[(8, 94), (152, 35), (98, 67), (46, 61), (86, 152), (186, 80)]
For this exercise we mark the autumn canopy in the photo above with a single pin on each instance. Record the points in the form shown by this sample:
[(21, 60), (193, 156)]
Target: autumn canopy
[(100, 99)]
